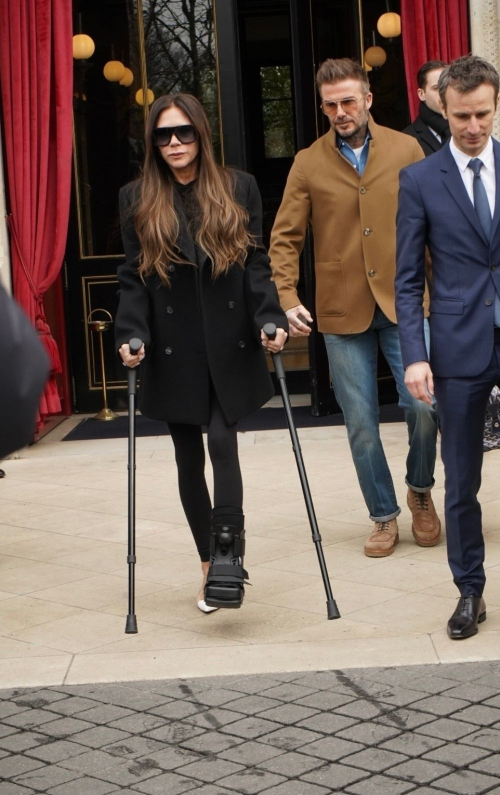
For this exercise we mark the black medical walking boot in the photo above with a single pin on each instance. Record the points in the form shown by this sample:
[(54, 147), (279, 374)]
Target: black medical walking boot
[(226, 577)]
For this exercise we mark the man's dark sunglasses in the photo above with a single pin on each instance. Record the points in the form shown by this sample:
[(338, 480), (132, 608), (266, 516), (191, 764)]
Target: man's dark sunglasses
[(186, 134)]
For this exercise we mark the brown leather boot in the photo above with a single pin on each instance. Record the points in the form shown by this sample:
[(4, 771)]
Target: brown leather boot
[(383, 539), (426, 527)]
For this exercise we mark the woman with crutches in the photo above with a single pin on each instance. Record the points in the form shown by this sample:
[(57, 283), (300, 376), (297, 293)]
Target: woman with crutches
[(196, 289)]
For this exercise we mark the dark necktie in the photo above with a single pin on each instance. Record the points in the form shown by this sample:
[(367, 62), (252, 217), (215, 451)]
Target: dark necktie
[(482, 207), (481, 203)]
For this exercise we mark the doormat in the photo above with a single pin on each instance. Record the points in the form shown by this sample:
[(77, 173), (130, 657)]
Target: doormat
[(263, 420)]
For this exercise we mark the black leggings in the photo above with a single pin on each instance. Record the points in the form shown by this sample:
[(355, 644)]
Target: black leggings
[(190, 458)]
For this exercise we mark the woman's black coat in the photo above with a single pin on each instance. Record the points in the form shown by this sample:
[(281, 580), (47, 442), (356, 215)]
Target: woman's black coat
[(199, 327)]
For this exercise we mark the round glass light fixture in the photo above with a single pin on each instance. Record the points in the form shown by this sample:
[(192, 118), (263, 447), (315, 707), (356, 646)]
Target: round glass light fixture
[(128, 78), (114, 71), (139, 97), (367, 67), (83, 46), (389, 25), (375, 56)]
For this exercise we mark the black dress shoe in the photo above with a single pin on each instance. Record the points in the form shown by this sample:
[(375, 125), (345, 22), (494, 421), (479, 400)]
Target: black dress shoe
[(471, 611)]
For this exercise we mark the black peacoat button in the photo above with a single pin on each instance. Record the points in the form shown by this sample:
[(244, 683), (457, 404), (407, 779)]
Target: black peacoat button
[(231, 304), (169, 310), (168, 351), (493, 267), (171, 268), (488, 302), (242, 343)]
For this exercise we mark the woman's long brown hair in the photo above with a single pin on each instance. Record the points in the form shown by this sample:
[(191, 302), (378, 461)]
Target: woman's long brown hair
[(223, 230)]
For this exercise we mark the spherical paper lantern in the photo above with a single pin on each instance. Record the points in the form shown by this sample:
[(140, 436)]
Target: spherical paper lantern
[(367, 67), (128, 78), (83, 46), (114, 71), (375, 56), (139, 97), (389, 25)]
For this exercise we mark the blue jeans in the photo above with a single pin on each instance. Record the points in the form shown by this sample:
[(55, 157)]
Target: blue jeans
[(353, 366)]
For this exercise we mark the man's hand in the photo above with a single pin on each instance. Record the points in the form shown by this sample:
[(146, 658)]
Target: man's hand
[(296, 317), (419, 381)]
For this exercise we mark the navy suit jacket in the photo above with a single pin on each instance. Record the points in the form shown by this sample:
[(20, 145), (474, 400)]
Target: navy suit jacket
[(435, 211)]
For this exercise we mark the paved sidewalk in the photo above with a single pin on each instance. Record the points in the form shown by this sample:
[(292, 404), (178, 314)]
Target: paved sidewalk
[(386, 731), (63, 573)]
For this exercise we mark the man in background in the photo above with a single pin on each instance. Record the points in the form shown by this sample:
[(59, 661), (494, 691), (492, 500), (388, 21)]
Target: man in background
[(430, 128)]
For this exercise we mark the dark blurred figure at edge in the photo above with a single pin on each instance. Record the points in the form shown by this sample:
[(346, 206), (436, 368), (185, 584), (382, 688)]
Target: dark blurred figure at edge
[(25, 374), (430, 128)]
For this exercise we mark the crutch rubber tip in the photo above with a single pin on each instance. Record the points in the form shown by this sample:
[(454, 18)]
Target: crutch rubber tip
[(131, 625), (332, 609)]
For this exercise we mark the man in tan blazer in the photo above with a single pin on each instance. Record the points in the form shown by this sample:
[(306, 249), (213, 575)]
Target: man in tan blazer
[(346, 186)]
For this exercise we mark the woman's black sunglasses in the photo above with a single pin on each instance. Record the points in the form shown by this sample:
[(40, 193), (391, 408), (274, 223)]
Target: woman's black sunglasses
[(186, 134)]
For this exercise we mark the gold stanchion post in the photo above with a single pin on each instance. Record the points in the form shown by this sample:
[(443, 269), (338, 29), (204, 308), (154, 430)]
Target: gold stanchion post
[(100, 326)]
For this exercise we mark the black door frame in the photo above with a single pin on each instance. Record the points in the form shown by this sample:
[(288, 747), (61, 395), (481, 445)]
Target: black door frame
[(234, 148), (304, 82), (229, 80)]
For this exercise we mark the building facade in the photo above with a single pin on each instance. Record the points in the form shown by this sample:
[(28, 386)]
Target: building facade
[(252, 64)]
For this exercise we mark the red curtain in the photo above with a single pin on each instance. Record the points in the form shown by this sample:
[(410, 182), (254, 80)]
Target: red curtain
[(36, 82), (432, 30)]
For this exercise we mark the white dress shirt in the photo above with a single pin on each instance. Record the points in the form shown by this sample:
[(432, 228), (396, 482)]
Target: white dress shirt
[(487, 172), (436, 135)]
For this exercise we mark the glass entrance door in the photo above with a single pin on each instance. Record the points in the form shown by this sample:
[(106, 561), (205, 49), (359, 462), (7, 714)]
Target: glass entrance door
[(281, 43), (143, 48)]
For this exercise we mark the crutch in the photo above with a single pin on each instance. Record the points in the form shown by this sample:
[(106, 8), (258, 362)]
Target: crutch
[(331, 605), (131, 623)]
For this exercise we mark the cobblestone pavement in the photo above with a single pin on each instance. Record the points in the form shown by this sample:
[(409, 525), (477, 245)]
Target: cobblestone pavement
[(420, 729)]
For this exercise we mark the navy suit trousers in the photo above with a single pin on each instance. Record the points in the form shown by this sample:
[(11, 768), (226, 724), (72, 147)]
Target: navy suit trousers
[(461, 404)]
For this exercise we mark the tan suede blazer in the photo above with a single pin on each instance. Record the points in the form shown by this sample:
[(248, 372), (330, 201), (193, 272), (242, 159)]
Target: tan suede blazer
[(353, 220)]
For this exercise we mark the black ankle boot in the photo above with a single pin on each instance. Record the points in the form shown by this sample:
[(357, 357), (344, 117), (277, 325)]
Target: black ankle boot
[(226, 577)]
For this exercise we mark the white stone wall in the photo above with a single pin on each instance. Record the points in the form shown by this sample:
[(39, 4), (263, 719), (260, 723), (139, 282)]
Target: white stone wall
[(5, 274), (485, 36)]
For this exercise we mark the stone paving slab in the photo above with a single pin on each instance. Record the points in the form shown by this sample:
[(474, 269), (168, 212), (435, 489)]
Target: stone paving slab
[(381, 731)]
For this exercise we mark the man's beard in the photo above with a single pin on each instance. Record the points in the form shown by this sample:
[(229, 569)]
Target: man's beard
[(358, 134), (348, 133)]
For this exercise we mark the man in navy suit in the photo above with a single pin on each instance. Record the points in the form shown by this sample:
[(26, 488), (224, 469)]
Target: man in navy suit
[(450, 202)]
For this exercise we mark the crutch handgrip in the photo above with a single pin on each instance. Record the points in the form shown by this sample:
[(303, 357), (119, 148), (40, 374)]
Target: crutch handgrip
[(270, 330), (135, 346)]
